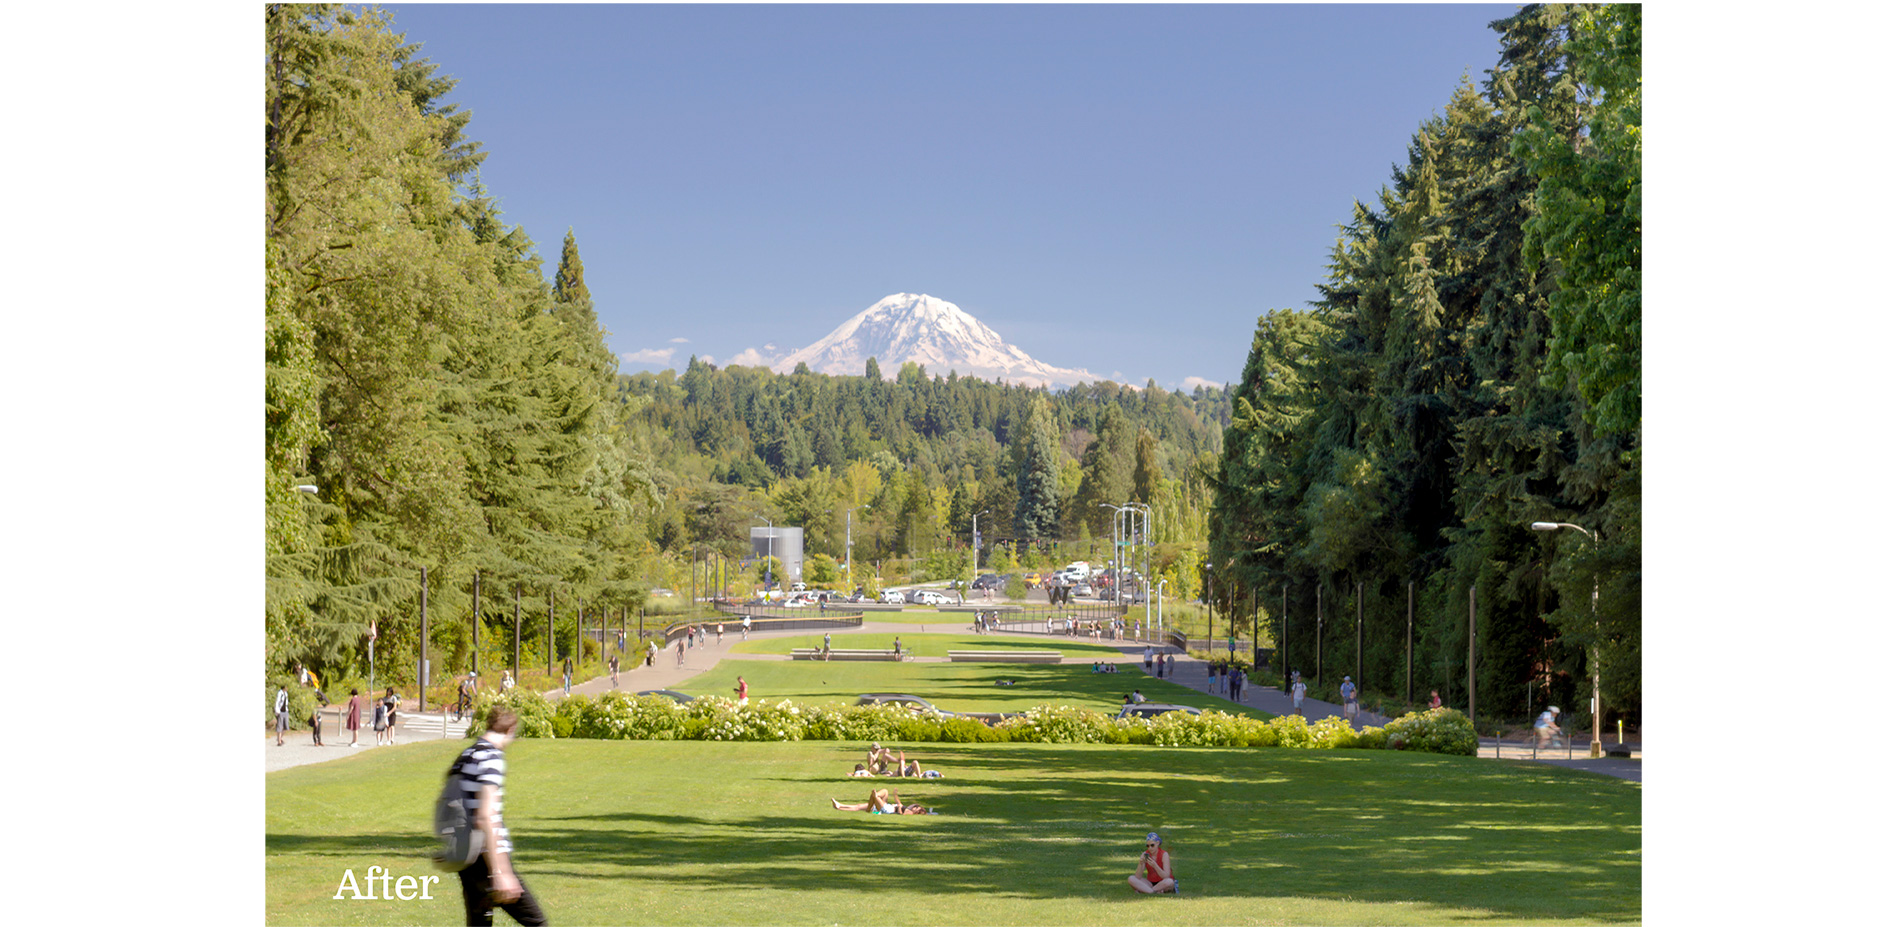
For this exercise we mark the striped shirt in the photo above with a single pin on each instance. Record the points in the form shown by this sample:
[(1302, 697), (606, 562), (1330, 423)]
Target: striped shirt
[(479, 765)]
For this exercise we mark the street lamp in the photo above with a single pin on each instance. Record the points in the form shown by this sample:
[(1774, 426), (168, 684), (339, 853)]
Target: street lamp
[(973, 546), (305, 487), (850, 576), (769, 576), (1596, 661)]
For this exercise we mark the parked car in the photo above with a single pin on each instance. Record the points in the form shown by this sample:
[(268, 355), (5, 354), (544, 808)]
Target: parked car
[(933, 597), (911, 702), (891, 597), (1152, 709), (922, 707), (679, 697), (988, 581), (663, 594)]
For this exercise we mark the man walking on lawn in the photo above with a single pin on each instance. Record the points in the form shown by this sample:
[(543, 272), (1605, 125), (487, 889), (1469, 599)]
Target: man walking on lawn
[(490, 881)]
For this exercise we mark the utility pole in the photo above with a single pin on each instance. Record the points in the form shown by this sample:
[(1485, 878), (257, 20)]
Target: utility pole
[(422, 650), (1408, 644), (1471, 659), (475, 628)]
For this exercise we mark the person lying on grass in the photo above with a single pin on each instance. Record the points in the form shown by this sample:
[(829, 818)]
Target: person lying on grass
[(882, 801), (1155, 872), (907, 768)]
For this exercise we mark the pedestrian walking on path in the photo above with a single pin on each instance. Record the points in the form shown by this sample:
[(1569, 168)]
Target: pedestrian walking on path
[(282, 709), (353, 719)]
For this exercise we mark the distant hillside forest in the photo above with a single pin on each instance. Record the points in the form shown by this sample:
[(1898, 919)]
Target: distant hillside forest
[(917, 457)]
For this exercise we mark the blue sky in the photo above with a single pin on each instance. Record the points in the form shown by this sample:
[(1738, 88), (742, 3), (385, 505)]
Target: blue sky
[(1118, 188)]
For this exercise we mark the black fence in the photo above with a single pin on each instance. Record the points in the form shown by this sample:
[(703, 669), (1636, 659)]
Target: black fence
[(780, 618)]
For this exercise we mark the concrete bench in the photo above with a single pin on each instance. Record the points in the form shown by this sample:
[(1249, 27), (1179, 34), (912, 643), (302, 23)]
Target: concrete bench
[(816, 653), (1004, 656)]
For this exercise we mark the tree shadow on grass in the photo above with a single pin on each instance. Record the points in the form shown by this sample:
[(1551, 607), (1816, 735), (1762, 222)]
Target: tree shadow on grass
[(1296, 825), (1496, 843)]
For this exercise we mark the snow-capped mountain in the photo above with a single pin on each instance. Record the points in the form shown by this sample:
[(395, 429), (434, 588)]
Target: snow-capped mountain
[(936, 334)]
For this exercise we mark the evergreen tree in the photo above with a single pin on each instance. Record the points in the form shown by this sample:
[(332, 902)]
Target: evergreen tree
[(1038, 495)]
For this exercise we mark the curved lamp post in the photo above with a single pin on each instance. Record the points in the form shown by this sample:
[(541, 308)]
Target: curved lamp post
[(1596, 664)]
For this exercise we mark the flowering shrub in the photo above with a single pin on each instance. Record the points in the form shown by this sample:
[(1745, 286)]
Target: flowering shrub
[(536, 716), (1061, 724), (727, 719), (1440, 730), (619, 716), (1207, 729)]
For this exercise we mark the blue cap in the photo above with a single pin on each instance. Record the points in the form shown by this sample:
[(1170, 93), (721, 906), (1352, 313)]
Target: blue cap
[(1154, 838)]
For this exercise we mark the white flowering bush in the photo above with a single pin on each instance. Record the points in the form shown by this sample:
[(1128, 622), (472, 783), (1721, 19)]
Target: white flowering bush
[(535, 715), (1440, 730), (727, 719), (1062, 724), (1207, 729), (619, 716), (1334, 732)]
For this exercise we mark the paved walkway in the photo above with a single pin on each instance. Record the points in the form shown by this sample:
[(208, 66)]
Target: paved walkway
[(667, 673)]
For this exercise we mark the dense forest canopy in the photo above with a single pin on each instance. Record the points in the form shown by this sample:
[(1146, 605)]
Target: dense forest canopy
[(1472, 365)]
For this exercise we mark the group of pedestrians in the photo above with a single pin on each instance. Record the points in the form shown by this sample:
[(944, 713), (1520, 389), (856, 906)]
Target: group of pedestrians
[(1158, 665)]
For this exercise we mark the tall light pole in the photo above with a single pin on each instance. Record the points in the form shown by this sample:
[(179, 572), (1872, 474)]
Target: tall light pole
[(1147, 558), (1596, 664), (850, 575), (1160, 588), (769, 575), (973, 546)]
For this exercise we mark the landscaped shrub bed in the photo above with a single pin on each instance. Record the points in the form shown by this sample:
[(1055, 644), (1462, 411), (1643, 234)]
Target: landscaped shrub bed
[(618, 716)]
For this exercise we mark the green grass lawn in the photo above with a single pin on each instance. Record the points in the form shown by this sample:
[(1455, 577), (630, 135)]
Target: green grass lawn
[(932, 644), (950, 686), (660, 832)]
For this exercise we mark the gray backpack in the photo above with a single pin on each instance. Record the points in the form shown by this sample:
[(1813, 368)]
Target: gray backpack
[(461, 840)]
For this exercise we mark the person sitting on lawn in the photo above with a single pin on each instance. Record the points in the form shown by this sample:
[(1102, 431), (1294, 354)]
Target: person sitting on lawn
[(1155, 872), (879, 760)]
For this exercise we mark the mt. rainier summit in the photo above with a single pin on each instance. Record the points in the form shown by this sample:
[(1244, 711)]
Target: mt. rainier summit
[(935, 334)]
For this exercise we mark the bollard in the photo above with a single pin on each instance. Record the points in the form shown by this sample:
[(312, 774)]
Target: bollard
[(1619, 730), (1497, 747), (445, 724)]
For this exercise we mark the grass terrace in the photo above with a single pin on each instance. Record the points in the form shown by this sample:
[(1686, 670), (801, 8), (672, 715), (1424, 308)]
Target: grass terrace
[(656, 832), (950, 686)]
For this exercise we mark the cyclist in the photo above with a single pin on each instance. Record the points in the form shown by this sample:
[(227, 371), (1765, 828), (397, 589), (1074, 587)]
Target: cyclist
[(1546, 726)]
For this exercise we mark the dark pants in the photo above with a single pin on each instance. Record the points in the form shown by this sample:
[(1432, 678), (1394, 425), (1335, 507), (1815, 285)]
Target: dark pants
[(481, 911)]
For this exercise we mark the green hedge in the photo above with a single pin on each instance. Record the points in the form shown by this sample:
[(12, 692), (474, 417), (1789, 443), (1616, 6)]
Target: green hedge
[(618, 716)]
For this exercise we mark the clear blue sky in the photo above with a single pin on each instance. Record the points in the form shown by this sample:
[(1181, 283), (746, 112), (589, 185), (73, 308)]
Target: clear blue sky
[(1118, 188)]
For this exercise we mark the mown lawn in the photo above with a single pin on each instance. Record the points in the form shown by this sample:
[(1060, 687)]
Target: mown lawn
[(951, 686), (636, 832)]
